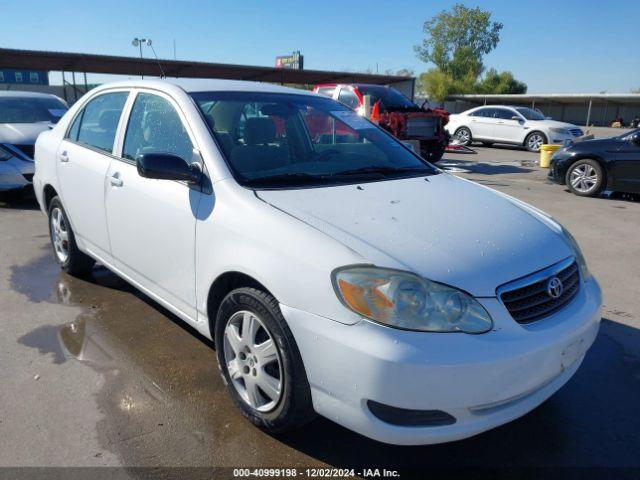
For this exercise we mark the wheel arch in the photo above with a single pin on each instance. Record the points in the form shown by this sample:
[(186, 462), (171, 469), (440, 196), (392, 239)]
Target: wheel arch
[(541, 132), (48, 192), (222, 286)]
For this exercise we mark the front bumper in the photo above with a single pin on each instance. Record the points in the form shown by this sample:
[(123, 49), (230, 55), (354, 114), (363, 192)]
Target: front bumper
[(15, 173), (481, 380)]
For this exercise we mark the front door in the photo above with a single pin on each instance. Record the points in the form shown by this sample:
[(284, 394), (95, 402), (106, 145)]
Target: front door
[(626, 169), (507, 129), (83, 159), (152, 222)]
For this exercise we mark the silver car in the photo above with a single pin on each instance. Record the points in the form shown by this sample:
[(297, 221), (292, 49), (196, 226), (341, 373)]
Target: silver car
[(23, 116)]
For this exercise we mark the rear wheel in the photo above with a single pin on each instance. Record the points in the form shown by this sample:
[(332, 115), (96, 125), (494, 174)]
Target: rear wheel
[(463, 136), (534, 141), (585, 178), (260, 362), (65, 249)]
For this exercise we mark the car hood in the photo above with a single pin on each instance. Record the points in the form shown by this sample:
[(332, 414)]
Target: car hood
[(22, 133), (441, 227), (553, 124)]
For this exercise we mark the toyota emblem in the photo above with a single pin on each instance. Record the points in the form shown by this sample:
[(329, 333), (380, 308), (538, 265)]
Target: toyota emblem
[(555, 287)]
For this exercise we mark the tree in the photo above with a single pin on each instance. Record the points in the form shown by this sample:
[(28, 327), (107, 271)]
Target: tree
[(502, 82), (456, 42)]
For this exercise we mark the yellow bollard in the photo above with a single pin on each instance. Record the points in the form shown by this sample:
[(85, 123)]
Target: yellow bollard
[(546, 152)]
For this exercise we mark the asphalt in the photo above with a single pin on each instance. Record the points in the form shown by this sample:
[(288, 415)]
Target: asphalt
[(94, 373)]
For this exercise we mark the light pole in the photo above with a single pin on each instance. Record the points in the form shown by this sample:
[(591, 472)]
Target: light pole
[(138, 42)]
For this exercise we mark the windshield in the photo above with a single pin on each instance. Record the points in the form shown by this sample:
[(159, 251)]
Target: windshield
[(287, 140), (390, 98), (530, 114), (31, 109)]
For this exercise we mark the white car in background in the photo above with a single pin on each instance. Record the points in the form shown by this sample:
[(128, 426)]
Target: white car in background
[(512, 125), (329, 271), (23, 116)]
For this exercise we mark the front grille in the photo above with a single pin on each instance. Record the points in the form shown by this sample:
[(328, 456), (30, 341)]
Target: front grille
[(422, 127), (576, 132), (531, 302), (28, 150)]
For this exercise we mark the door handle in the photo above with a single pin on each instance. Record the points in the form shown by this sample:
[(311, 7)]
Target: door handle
[(115, 180), (64, 157)]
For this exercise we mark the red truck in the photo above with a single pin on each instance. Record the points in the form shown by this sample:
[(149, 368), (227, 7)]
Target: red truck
[(397, 114)]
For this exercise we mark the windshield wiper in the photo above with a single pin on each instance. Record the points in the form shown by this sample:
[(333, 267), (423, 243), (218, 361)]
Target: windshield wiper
[(287, 179), (384, 171)]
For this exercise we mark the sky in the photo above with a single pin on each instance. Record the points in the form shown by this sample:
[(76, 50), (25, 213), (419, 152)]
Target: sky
[(560, 46)]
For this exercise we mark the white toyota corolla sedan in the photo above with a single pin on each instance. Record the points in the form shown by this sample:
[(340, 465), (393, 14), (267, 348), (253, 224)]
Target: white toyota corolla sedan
[(337, 273)]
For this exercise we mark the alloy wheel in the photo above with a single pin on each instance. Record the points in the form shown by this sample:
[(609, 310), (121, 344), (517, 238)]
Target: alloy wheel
[(463, 136), (583, 178), (535, 142), (253, 361), (59, 235)]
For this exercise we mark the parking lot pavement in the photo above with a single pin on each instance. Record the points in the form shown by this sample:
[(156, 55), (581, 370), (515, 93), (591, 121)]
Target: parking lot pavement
[(95, 373)]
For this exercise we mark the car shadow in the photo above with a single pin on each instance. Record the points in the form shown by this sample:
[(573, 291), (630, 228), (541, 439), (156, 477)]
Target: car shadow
[(485, 168), (24, 199)]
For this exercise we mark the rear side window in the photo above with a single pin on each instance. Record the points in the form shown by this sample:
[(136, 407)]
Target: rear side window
[(349, 98), (155, 127), (96, 124), (326, 91)]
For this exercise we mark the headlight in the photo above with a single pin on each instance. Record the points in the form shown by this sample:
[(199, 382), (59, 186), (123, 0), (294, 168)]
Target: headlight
[(562, 131), (404, 300), (578, 253)]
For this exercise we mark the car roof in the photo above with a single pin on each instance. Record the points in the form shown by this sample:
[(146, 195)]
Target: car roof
[(192, 85), (25, 94)]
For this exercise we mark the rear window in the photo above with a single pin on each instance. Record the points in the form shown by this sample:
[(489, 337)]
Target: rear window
[(31, 109)]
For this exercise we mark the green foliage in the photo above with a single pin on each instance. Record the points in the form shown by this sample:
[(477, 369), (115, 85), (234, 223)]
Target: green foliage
[(456, 42), (500, 82)]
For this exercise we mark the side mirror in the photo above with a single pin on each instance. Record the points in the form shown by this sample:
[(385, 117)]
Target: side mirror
[(516, 118), (166, 166)]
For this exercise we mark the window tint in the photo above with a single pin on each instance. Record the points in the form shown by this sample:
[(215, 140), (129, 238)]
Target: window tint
[(100, 119), (349, 98), (31, 109), (504, 114), (155, 127)]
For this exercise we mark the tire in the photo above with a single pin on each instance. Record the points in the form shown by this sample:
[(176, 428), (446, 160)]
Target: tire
[(431, 155), (252, 368), (534, 140), (463, 135), (63, 241), (585, 178)]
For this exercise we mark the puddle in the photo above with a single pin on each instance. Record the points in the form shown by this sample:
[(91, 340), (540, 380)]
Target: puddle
[(162, 399)]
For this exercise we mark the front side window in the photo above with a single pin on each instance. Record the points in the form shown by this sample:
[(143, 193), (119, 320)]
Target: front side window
[(155, 127), (349, 98), (530, 113), (98, 121), (274, 140), (31, 109)]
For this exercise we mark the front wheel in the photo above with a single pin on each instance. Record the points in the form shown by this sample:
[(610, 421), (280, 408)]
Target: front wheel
[(585, 178), (65, 249), (534, 141), (260, 362)]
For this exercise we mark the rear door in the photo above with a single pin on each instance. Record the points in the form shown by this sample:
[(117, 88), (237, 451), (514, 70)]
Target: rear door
[(83, 159), (626, 169), (152, 222)]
